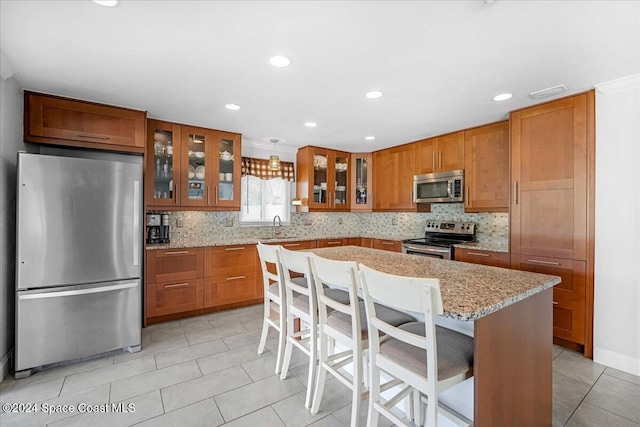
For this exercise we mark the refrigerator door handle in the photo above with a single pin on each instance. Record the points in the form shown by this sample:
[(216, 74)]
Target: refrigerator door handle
[(78, 292), (136, 222)]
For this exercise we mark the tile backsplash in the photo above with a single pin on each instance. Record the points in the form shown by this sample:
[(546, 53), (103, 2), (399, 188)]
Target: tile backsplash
[(197, 226)]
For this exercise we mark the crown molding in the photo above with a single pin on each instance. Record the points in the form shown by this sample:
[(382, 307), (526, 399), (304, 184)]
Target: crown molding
[(619, 85)]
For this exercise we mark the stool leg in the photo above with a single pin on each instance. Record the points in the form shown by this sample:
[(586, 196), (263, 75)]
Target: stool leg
[(282, 337), (356, 398), (374, 395), (289, 347), (322, 374), (313, 363), (265, 328)]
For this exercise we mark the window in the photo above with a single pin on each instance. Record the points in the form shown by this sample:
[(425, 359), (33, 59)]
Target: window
[(262, 199)]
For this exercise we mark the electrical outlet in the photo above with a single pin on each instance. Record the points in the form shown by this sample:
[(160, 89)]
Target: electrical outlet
[(228, 221), (394, 221), (307, 221), (179, 223), (340, 221)]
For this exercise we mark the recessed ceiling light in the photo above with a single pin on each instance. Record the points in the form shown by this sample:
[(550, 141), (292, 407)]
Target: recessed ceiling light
[(233, 107), (374, 94), (279, 61), (502, 97), (311, 124), (369, 138), (107, 3)]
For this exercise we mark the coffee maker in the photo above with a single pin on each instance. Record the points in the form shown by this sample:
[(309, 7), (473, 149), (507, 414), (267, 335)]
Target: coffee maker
[(164, 227), (154, 220)]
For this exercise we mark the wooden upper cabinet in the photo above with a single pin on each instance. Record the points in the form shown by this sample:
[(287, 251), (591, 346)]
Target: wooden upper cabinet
[(323, 178), (549, 174), (442, 153), (192, 167), (393, 171), (62, 121), (487, 168)]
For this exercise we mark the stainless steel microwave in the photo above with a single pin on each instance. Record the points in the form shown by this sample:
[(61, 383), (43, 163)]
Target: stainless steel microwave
[(439, 187)]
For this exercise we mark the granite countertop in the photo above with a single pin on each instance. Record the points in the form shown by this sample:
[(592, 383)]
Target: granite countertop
[(485, 246), (253, 240), (469, 291)]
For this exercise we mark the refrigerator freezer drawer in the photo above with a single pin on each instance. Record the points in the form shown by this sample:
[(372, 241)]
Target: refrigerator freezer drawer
[(71, 322)]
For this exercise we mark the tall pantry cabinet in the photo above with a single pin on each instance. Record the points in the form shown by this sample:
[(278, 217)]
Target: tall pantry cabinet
[(552, 231)]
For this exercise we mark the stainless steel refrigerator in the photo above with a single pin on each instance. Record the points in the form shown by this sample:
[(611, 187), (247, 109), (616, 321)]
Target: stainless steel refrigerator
[(78, 256)]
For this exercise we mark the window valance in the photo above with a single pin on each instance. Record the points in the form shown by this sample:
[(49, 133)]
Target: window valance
[(260, 168)]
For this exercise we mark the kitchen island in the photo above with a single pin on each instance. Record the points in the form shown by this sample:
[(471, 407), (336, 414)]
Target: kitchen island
[(512, 315)]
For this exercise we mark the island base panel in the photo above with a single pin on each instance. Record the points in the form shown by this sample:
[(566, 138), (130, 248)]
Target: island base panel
[(513, 364)]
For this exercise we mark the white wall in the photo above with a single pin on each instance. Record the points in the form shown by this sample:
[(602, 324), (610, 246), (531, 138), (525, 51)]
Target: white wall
[(10, 143), (617, 218)]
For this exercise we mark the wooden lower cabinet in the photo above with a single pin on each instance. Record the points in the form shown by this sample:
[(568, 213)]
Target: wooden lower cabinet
[(223, 290), (328, 243), (569, 296), (475, 256), (387, 245), (171, 298), (366, 242), (298, 246)]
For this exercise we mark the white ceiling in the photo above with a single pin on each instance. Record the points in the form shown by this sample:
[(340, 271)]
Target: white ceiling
[(439, 63)]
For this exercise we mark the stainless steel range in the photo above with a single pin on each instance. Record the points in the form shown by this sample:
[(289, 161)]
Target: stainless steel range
[(439, 238)]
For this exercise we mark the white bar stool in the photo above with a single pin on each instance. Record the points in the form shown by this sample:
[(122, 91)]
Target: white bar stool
[(425, 357), (273, 293)]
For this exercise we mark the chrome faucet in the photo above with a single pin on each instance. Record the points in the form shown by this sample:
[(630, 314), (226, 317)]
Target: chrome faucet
[(275, 231)]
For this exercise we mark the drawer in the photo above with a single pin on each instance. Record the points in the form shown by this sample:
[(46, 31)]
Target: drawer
[(231, 289), (495, 259), (173, 297), (227, 261), (329, 243), (352, 241), (298, 246), (387, 245), (366, 242), (174, 264)]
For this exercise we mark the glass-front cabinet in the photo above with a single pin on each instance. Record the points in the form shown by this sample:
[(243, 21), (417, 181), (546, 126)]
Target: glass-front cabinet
[(323, 179), (163, 160), (361, 180), (192, 167)]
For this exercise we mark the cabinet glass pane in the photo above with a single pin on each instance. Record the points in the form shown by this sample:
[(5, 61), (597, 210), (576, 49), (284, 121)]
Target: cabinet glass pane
[(361, 181), (225, 178), (319, 178), (163, 161), (342, 163), (197, 167)]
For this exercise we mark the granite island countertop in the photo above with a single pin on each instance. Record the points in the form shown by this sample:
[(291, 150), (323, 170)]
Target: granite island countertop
[(469, 291)]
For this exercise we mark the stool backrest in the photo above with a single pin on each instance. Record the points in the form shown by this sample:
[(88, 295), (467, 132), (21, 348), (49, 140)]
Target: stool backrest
[(297, 262), (269, 255), (402, 293)]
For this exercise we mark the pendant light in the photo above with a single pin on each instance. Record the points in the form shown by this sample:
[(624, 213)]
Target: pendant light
[(274, 160)]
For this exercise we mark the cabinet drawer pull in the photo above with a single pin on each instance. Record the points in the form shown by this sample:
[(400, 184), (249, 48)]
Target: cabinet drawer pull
[(433, 161), (235, 249), (535, 261), (291, 244), (477, 254), (387, 243), (81, 135), (515, 192), (178, 285), (176, 253), (333, 243), (555, 303), (440, 160), (236, 277)]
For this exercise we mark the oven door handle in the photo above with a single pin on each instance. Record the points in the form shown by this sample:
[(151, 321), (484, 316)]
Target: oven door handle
[(427, 250)]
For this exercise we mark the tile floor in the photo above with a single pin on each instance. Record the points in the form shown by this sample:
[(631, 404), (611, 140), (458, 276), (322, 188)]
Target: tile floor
[(205, 371)]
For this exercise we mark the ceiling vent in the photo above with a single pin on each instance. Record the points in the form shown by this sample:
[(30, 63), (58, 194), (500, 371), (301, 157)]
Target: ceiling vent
[(550, 91)]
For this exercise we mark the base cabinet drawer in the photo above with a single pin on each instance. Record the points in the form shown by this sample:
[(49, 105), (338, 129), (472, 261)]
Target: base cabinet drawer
[(229, 260), (387, 245), (230, 289), (298, 246), (495, 259), (569, 302), (174, 264), (330, 243), (172, 297)]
